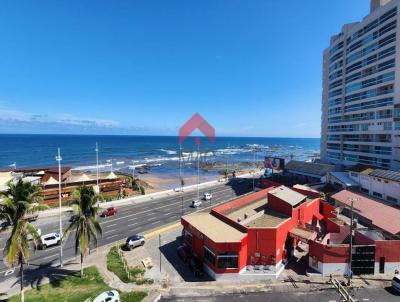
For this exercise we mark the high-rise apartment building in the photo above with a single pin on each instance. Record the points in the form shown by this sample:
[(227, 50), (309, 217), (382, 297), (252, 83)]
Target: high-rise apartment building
[(361, 91)]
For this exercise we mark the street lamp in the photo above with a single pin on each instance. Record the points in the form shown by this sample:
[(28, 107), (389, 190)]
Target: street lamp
[(59, 159), (350, 273), (97, 165)]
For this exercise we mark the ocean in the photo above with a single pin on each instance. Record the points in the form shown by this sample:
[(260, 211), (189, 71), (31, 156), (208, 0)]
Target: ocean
[(160, 154)]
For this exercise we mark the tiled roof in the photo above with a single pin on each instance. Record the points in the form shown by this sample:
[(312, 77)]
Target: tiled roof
[(382, 216), (386, 174), (309, 168)]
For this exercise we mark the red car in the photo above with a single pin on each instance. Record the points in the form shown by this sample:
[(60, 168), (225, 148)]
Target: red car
[(109, 212), (184, 253)]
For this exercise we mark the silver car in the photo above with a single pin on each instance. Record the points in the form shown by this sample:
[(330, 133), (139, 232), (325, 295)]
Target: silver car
[(134, 241)]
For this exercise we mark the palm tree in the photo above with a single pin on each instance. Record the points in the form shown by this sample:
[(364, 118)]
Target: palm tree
[(20, 199), (86, 226)]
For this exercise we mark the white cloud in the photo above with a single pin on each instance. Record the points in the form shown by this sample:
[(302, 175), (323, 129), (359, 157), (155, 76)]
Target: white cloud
[(10, 115)]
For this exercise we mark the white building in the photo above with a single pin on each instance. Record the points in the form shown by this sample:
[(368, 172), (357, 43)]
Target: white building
[(361, 91), (379, 183)]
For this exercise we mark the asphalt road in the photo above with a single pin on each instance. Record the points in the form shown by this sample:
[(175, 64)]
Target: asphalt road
[(362, 295), (130, 219)]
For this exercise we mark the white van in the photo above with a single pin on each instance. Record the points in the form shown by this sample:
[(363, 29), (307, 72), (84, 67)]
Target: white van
[(108, 296), (396, 283)]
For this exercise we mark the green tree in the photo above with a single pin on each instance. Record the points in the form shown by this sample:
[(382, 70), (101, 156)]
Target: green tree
[(86, 226), (135, 184), (20, 199), (142, 190), (226, 173)]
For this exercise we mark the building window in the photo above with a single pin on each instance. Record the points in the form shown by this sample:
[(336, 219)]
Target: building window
[(228, 260), (188, 237), (209, 255), (376, 194), (391, 199), (364, 190)]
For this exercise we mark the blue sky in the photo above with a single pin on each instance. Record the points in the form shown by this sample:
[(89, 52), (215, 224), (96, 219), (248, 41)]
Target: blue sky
[(251, 68)]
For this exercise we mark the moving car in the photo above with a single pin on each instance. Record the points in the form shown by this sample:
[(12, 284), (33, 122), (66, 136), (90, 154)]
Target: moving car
[(30, 237), (396, 283), (50, 240), (109, 212), (196, 266), (184, 253), (207, 196), (134, 241), (108, 296), (196, 203)]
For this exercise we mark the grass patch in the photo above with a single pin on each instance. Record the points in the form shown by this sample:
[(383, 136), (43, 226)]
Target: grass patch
[(132, 296), (115, 264), (74, 289)]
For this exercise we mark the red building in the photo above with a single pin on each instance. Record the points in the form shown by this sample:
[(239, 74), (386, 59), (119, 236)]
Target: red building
[(255, 235)]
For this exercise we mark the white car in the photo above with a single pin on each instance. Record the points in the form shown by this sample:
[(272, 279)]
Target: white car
[(50, 240), (396, 283), (196, 203), (108, 296), (134, 241), (207, 196), (30, 237)]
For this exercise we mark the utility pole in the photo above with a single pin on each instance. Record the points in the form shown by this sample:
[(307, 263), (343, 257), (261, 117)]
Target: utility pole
[(350, 273), (97, 166), (198, 168), (58, 158)]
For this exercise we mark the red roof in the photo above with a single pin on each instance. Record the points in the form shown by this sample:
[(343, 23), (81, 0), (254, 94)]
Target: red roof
[(382, 216)]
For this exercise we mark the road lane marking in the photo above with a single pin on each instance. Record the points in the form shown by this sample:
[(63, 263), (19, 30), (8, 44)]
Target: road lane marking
[(112, 236), (161, 230), (133, 224)]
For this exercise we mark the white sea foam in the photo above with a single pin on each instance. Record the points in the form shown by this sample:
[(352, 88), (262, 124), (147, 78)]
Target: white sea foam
[(170, 152)]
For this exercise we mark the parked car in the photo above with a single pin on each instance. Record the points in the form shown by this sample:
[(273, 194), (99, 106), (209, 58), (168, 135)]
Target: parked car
[(73, 218), (108, 296), (30, 237), (184, 253), (196, 203), (134, 241), (396, 283), (31, 217), (50, 240), (207, 196), (196, 266), (4, 225), (109, 212)]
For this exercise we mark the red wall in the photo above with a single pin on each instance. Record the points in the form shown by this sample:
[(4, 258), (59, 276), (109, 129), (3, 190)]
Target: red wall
[(329, 253), (390, 249), (198, 244)]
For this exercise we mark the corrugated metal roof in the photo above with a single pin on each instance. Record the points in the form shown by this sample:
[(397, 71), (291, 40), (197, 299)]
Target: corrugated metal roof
[(382, 216), (309, 168), (386, 174)]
